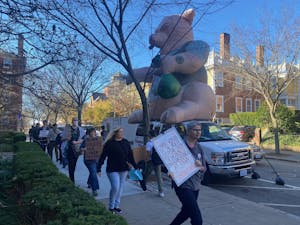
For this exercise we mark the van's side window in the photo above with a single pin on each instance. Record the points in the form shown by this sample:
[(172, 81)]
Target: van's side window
[(165, 127), (140, 130)]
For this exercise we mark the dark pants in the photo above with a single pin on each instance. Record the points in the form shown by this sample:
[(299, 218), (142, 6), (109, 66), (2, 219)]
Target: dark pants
[(50, 148), (72, 160), (189, 209), (93, 179)]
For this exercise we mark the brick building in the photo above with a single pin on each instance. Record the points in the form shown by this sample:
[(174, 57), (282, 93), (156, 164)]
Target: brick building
[(11, 82), (234, 93)]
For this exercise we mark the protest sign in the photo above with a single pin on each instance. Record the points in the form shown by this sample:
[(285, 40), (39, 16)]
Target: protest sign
[(175, 155)]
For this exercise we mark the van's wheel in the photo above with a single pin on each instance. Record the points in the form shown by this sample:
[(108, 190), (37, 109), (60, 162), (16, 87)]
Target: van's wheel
[(207, 177)]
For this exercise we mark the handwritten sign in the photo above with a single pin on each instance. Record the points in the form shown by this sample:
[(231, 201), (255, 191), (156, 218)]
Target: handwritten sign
[(176, 156)]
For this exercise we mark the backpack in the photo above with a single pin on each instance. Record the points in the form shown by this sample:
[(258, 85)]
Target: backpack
[(156, 160)]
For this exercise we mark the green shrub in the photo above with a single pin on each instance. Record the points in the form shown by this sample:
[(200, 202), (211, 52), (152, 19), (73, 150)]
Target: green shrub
[(19, 137), (48, 197), (7, 147), (244, 119), (287, 140), (27, 146)]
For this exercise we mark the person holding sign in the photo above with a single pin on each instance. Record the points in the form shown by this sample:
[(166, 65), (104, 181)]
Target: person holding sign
[(188, 191)]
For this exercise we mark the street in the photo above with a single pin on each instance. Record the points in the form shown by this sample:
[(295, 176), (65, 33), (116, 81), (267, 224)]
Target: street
[(264, 190)]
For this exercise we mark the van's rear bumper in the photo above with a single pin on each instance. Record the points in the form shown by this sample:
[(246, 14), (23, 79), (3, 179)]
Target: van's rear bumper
[(234, 170)]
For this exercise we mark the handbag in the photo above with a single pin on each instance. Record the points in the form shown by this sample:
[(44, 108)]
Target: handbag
[(76, 148)]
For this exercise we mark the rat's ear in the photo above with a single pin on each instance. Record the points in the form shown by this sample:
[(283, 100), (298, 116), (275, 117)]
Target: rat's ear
[(189, 15)]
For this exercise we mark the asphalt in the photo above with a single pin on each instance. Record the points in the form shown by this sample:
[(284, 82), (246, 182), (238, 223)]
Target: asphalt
[(218, 208)]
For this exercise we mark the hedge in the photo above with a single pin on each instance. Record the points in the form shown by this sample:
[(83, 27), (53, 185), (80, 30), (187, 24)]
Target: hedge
[(45, 196)]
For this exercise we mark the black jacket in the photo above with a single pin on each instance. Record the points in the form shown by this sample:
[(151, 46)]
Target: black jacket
[(118, 154)]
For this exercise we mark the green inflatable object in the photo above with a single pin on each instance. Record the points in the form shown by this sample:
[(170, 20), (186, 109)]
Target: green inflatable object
[(168, 86)]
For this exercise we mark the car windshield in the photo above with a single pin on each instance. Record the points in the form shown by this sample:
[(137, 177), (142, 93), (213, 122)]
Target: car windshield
[(212, 132)]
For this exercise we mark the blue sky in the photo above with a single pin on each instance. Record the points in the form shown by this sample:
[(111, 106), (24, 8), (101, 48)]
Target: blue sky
[(241, 13)]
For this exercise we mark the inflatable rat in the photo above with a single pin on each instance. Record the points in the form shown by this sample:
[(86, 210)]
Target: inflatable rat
[(179, 90)]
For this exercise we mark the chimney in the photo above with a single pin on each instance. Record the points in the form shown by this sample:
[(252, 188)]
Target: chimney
[(260, 55), (225, 46), (20, 45)]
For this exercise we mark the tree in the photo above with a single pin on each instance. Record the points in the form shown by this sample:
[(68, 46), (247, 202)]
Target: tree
[(80, 78), (286, 118), (99, 111), (124, 98), (106, 27), (277, 40)]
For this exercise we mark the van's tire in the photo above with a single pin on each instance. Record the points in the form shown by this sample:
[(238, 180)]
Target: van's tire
[(207, 177)]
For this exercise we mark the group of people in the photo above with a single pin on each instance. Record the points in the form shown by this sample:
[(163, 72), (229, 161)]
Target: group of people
[(46, 137), (119, 155)]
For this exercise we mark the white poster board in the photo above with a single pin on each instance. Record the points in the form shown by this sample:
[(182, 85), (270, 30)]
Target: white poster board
[(43, 133), (176, 156)]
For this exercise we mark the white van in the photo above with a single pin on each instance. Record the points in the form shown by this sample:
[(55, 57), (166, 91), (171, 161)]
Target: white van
[(130, 130)]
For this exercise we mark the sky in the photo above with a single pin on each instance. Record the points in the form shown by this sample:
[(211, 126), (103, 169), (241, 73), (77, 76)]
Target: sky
[(241, 13)]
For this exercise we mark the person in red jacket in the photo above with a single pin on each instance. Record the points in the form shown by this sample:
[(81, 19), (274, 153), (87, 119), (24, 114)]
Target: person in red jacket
[(120, 159)]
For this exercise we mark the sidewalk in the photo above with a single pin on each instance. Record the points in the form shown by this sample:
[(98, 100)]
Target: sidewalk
[(218, 208), (284, 155)]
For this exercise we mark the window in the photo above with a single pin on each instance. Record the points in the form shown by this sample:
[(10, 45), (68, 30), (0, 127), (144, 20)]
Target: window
[(256, 104), (219, 103), (248, 105), (7, 63), (248, 84), (238, 82), (291, 102), (273, 82), (238, 104), (219, 79)]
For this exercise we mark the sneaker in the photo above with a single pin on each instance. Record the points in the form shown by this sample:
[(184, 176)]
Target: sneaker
[(161, 194), (95, 193), (118, 210), (113, 211)]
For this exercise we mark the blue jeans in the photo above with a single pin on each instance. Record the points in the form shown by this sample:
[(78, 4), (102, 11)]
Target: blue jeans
[(117, 180), (189, 209), (93, 179)]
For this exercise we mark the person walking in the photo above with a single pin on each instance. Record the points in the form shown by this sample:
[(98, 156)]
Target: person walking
[(52, 135), (43, 135), (153, 163), (73, 148), (65, 138), (35, 133), (120, 159), (92, 147), (30, 132), (188, 192)]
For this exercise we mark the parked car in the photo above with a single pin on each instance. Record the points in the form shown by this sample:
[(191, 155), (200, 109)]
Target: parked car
[(243, 133), (258, 153), (226, 128)]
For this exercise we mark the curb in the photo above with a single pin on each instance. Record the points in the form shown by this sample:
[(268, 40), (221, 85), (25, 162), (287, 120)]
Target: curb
[(281, 159)]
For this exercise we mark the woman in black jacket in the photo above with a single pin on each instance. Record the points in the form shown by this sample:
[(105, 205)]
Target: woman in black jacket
[(119, 160)]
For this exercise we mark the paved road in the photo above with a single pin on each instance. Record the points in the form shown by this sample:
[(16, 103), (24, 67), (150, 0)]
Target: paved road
[(264, 190)]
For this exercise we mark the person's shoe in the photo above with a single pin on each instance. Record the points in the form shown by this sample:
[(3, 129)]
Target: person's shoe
[(161, 194), (89, 186), (118, 210), (113, 211), (95, 193)]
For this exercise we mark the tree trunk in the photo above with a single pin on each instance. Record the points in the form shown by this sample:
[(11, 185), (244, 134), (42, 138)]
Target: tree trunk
[(79, 114), (276, 133), (276, 141)]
